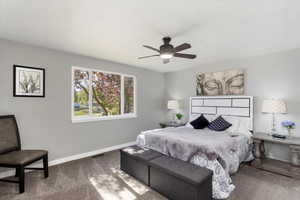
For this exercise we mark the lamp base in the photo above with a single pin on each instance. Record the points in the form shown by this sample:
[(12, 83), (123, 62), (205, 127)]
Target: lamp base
[(273, 131)]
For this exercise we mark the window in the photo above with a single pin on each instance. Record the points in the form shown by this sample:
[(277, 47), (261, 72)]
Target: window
[(99, 95), (128, 95)]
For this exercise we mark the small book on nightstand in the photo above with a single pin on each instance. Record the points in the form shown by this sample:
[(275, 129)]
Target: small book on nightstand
[(276, 135)]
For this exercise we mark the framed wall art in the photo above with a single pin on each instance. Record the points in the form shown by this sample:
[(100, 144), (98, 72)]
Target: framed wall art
[(230, 82), (28, 81)]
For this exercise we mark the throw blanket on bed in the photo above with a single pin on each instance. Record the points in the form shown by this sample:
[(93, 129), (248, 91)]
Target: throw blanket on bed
[(217, 151)]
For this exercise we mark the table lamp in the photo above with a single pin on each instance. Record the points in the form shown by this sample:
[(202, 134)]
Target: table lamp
[(173, 105), (274, 106)]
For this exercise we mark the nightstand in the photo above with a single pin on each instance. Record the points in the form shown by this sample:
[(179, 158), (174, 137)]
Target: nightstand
[(288, 169), (169, 124)]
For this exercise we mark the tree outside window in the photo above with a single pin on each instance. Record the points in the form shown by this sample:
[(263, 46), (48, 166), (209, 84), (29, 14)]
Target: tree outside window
[(99, 94)]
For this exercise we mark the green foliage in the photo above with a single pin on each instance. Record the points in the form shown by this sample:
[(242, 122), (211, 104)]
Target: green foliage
[(81, 97), (81, 112), (179, 116)]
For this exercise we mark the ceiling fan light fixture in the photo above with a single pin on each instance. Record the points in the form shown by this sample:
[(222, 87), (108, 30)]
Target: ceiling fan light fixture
[(168, 51), (166, 55)]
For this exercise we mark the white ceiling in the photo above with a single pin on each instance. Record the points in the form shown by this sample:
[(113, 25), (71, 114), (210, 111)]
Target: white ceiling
[(116, 29)]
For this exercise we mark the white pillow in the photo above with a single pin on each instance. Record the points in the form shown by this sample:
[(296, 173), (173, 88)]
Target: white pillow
[(235, 124), (244, 127), (211, 118), (189, 125), (240, 125)]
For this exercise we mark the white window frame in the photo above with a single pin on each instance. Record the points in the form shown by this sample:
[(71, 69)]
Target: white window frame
[(90, 117)]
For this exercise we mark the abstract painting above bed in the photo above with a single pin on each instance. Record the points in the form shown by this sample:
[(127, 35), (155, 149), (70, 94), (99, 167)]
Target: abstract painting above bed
[(229, 82)]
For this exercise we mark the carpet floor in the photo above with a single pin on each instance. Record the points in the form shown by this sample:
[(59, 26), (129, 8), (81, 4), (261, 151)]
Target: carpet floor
[(100, 178)]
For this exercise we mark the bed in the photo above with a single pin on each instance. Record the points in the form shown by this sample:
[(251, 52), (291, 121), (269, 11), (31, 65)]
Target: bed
[(221, 152)]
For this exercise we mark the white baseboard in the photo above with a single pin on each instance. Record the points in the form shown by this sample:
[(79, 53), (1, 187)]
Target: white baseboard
[(276, 158), (74, 157)]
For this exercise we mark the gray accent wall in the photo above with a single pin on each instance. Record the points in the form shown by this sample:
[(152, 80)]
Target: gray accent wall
[(45, 123), (271, 76)]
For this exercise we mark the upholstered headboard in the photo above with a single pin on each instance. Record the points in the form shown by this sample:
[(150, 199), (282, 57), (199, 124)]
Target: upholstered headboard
[(234, 106)]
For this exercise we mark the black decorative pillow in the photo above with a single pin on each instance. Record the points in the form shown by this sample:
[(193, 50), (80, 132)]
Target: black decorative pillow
[(200, 123), (219, 124)]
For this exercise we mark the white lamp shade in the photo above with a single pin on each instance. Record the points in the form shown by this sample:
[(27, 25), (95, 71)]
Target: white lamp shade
[(274, 106), (173, 104)]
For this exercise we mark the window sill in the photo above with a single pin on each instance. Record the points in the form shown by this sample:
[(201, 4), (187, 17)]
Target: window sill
[(91, 119)]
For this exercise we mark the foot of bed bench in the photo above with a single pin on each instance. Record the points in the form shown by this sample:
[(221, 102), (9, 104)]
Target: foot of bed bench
[(135, 162), (171, 177)]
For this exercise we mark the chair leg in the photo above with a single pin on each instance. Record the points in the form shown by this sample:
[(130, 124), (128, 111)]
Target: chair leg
[(45, 164), (21, 172), (17, 172)]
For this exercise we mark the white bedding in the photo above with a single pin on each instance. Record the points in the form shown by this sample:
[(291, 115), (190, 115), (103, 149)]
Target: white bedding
[(230, 151)]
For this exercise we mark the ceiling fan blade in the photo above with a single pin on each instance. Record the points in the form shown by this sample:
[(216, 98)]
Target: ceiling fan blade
[(152, 48), (165, 61), (148, 56), (183, 55), (182, 47)]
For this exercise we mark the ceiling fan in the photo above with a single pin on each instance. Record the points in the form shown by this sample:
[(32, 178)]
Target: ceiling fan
[(167, 51)]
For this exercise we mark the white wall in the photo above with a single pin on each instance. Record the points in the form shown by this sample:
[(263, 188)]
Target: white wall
[(46, 122), (272, 76)]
